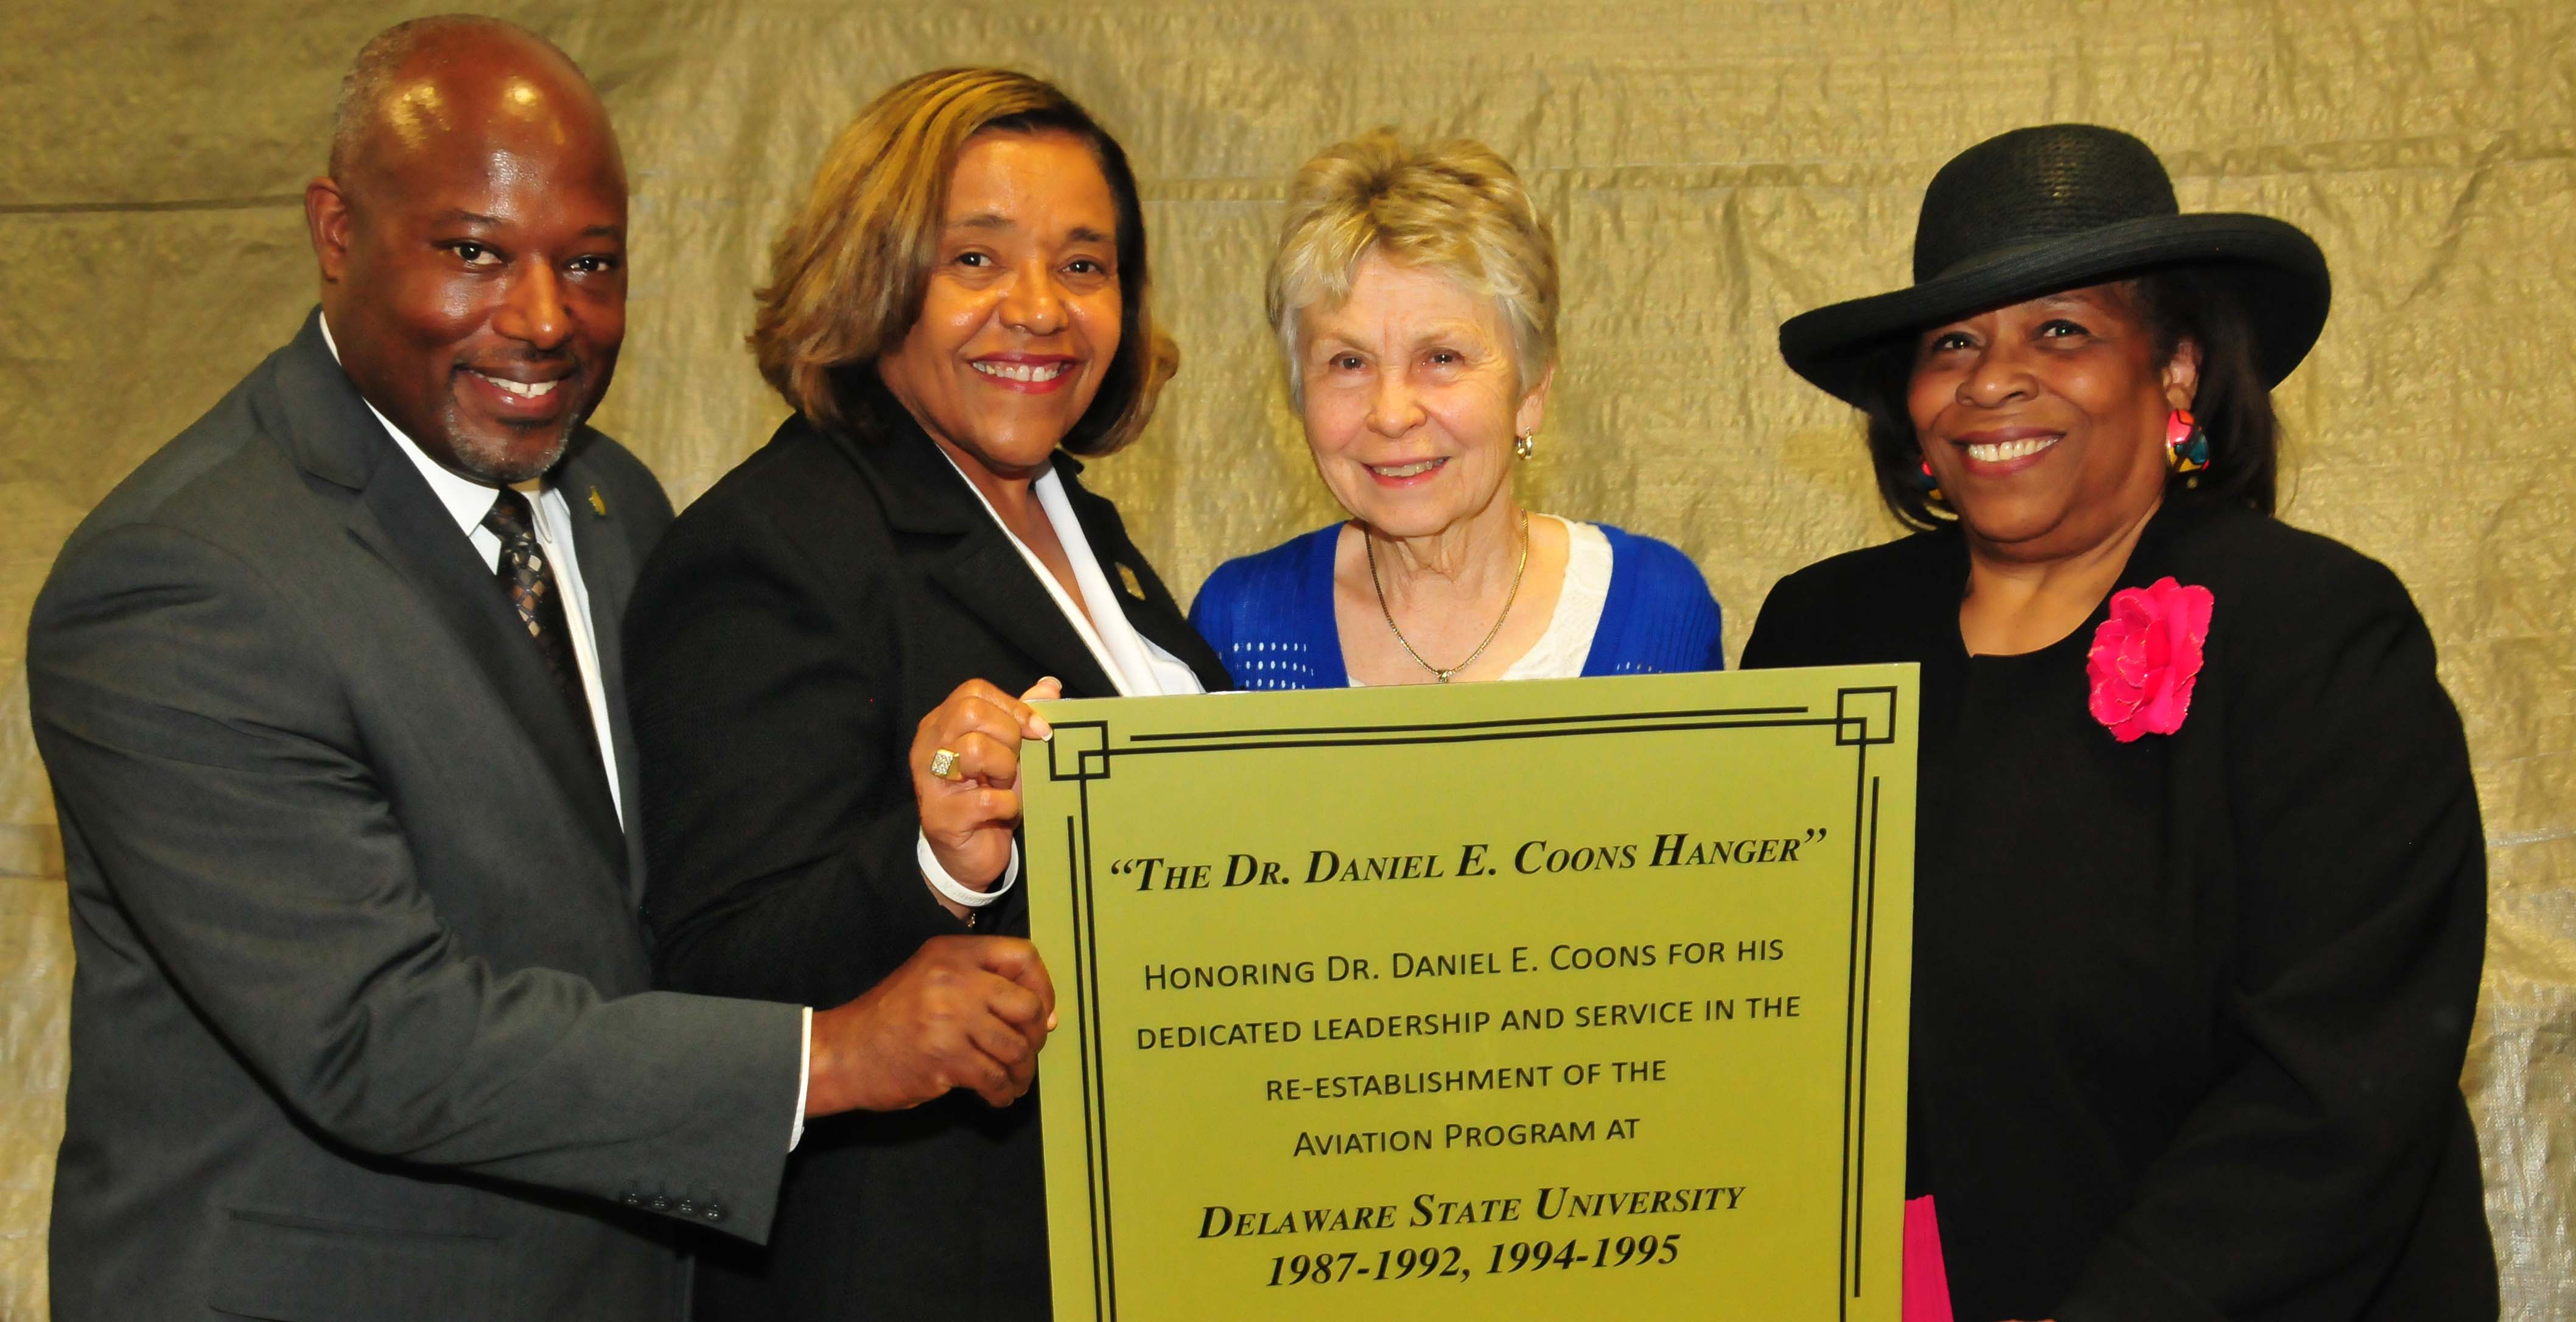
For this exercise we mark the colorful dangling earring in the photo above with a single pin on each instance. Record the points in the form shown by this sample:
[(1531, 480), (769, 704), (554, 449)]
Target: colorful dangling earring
[(2186, 445), (1929, 485)]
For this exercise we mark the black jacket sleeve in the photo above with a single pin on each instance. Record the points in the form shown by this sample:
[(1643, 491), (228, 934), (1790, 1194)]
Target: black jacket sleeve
[(2361, 929), (779, 818)]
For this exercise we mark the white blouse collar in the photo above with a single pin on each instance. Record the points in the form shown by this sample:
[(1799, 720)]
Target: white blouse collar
[(1133, 662)]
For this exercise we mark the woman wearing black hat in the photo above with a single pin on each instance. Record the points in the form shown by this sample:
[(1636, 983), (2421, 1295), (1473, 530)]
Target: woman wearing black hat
[(2200, 880)]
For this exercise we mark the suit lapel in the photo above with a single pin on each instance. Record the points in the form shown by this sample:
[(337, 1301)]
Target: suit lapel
[(987, 576), (607, 561), (982, 571), (923, 494), (398, 518), (1148, 604)]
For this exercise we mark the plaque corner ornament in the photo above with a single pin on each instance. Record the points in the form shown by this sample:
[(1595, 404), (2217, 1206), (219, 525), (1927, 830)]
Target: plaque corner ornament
[(1079, 751), (1865, 715)]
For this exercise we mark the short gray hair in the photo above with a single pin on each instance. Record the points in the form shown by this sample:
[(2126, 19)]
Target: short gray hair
[(1457, 208)]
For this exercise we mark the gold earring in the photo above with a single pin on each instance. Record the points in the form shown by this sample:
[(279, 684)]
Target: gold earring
[(1525, 444)]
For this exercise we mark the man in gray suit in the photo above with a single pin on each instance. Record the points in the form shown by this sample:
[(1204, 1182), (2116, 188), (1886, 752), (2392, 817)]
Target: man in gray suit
[(330, 695)]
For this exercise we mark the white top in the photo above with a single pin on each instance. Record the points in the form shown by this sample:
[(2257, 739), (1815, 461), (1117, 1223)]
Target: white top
[(1560, 652)]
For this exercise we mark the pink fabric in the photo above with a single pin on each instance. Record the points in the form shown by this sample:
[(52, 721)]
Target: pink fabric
[(2145, 657), (1927, 1282)]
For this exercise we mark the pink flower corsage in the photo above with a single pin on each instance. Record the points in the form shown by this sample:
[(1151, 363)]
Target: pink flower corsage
[(2145, 657)]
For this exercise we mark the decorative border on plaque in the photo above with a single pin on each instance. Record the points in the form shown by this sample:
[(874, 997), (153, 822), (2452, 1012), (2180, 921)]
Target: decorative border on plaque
[(1864, 718)]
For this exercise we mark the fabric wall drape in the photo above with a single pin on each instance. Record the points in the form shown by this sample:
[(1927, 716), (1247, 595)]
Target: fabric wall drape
[(1711, 166)]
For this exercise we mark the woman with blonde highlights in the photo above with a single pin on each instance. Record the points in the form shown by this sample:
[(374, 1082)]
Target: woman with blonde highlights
[(830, 657), (1414, 294)]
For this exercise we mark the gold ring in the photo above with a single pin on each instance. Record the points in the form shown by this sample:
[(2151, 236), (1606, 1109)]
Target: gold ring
[(943, 764)]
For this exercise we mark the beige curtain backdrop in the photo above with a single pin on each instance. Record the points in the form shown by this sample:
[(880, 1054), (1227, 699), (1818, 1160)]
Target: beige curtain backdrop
[(1710, 166)]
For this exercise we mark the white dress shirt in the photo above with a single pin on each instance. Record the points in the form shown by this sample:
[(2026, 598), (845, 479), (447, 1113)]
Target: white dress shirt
[(468, 501)]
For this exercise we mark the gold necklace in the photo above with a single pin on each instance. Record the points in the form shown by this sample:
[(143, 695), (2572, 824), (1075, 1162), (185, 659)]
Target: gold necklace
[(1369, 544)]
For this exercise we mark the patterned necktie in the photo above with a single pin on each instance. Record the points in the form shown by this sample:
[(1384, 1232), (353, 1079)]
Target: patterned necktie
[(530, 583)]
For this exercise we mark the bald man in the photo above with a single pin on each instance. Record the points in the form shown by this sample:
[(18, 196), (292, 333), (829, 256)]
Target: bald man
[(330, 696)]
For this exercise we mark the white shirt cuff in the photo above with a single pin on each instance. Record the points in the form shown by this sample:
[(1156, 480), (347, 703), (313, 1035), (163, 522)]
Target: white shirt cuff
[(804, 1078), (949, 887)]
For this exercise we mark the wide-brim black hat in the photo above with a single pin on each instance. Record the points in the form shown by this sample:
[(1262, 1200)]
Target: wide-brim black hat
[(2041, 210)]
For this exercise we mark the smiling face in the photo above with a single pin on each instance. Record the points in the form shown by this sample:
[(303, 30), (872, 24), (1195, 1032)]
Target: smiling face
[(1411, 398), (1020, 318), (473, 256), (2044, 421)]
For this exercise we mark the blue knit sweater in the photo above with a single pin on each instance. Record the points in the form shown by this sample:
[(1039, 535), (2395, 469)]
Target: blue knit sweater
[(1270, 616)]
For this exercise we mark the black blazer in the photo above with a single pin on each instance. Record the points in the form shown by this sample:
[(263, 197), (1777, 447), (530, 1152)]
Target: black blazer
[(2190, 1011), (785, 640)]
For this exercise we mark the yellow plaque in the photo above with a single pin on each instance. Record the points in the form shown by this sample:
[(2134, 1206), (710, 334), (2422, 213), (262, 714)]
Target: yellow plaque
[(1578, 998)]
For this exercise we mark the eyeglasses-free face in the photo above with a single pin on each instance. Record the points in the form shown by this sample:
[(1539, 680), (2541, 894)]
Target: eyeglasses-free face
[(2044, 421), (1020, 319), (1412, 397)]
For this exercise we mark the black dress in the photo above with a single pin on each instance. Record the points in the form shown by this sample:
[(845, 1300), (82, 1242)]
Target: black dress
[(2189, 1012), (786, 637)]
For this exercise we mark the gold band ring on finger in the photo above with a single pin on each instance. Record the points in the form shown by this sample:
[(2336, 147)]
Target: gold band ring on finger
[(943, 764)]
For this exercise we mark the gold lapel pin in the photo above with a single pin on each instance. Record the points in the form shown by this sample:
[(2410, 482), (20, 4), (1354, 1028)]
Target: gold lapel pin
[(1128, 577), (597, 505)]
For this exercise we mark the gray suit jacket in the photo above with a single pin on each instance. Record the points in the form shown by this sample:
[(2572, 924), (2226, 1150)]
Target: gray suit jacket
[(361, 1026)]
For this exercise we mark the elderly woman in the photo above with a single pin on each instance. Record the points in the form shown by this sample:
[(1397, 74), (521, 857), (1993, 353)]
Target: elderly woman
[(2200, 884), (1414, 293), (827, 655)]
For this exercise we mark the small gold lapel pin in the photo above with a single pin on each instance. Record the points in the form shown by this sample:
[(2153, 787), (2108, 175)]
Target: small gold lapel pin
[(1128, 577), (598, 506)]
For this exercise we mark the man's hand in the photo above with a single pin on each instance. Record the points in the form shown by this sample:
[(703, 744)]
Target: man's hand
[(963, 1012)]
